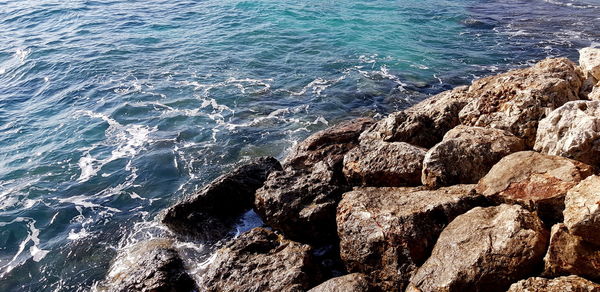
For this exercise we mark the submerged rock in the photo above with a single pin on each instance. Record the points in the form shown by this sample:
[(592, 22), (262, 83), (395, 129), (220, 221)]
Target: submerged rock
[(569, 255), (349, 283), (380, 163), (210, 212), (582, 209), (589, 61), (560, 284), (536, 181), (485, 249), (387, 233), (260, 261), (572, 131), (466, 154)]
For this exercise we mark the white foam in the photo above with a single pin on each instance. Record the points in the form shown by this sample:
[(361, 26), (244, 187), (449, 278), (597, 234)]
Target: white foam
[(35, 252)]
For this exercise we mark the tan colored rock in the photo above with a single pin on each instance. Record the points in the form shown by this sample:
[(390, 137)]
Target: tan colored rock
[(595, 93), (349, 283), (536, 181), (589, 61), (485, 249), (572, 131), (582, 209), (379, 163), (560, 284), (466, 154), (569, 255), (387, 233), (515, 101)]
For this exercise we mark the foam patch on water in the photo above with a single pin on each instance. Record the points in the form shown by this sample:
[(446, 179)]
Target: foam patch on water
[(35, 252)]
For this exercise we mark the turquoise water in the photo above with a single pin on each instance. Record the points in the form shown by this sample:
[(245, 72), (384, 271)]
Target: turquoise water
[(112, 110)]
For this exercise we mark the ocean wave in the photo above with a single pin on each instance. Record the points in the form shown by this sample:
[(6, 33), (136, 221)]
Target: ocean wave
[(36, 253)]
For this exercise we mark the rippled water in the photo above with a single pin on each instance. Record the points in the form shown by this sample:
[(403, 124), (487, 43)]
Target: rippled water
[(112, 110)]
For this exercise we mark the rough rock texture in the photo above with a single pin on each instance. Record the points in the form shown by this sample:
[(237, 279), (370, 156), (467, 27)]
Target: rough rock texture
[(485, 249), (301, 203), (589, 61), (536, 181), (560, 284), (329, 145), (209, 213), (349, 283), (149, 266), (380, 163), (570, 255), (582, 209), (595, 93), (515, 101), (466, 154), (387, 233), (572, 131), (424, 124), (260, 261)]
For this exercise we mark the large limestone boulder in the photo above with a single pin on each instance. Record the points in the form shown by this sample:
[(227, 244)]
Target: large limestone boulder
[(485, 249), (589, 61), (560, 284), (301, 203), (582, 209), (466, 154), (536, 181), (379, 163), (569, 255), (151, 265), (387, 233), (260, 261), (572, 131), (425, 123), (349, 283), (210, 213), (515, 101)]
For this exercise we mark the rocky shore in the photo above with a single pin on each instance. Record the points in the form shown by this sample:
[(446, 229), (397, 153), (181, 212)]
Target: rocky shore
[(487, 187)]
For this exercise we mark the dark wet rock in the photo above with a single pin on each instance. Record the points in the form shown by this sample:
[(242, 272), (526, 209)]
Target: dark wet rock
[(209, 213), (536, 181), (380, 163), (582, 209), (349, 283), (260, 261), (560, 284), (387, 233), (466, 154), (569, 255), (485, 249)]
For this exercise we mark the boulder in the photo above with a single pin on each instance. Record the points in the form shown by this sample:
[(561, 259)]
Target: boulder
[(424, 124), (260, 261), (466, 154), (151, 265), (589, 61), (349, 283), (560, 284), (536, 181), (380, 163), (569, 255), (582, 209), (301, 203), (595, 93), (329, 145), (515, 101), (209, 213), (485, 249), (572, 131), (387, 233)]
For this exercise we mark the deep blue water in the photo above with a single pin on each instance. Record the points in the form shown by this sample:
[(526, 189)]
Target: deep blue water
[(112, 110)]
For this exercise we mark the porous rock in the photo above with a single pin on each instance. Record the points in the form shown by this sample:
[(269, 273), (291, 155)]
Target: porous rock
[(582, 209), (569, 255), (589, 61), (485, 249), (560, 284), (355, 282)]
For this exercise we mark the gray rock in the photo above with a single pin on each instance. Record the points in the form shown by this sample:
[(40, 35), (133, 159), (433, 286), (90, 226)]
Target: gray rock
[(466, 154), (560, 284), (485, 249), (582, 209), (349, 283), (589, 61), (569, 255)]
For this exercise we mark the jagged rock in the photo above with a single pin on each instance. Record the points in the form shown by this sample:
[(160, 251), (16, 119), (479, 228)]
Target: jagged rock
[(424, 124), (569, 255), (560, 284), (536, 181), (589, 61), (466, 154), (301, 203), (149, 266), (329, 145), (260, 261), (582, 209), (379, 163), (595, 93), (515, 101), (209, 213), (485, 249), (349, 283), (387, 233), (572, 131)]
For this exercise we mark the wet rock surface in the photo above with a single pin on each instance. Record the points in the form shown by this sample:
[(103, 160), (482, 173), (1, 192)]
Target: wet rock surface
[(387, 233), (582, 209), (560, 284), (570, 255), (349, 283)]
